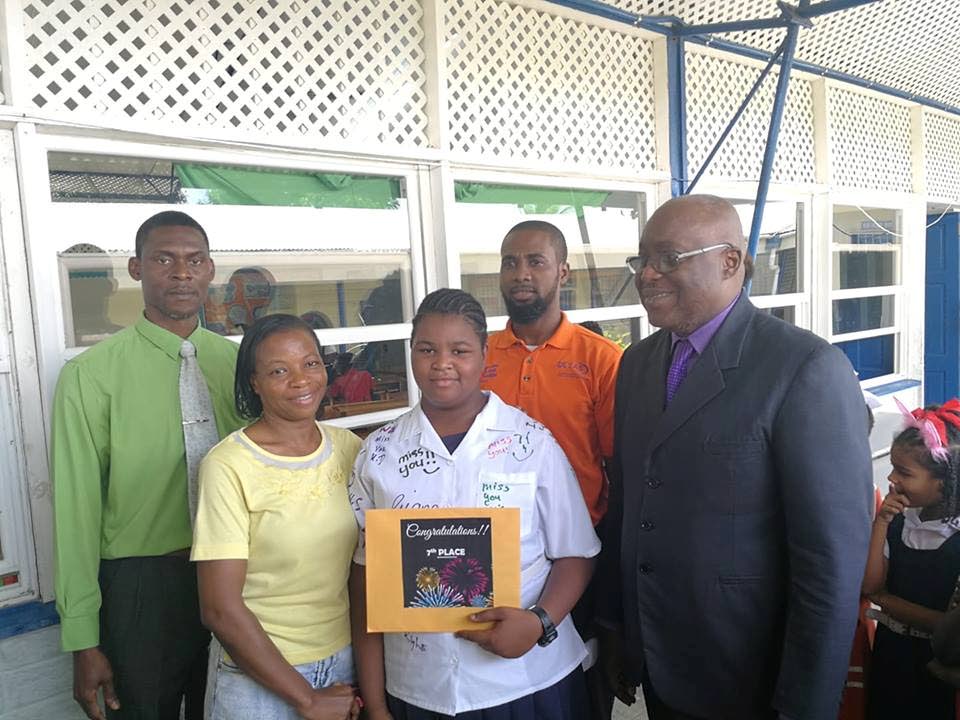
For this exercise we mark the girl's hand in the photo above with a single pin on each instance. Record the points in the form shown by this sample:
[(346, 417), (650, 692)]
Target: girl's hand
[(377, 714), (893, 504), (515, 631), (333, 703)]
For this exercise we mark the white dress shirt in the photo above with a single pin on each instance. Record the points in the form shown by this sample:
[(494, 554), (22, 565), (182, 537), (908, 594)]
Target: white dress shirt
[(406, 465)]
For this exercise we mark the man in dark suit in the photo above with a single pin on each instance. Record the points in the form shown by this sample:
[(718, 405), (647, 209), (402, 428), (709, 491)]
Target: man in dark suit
[(740, 494)]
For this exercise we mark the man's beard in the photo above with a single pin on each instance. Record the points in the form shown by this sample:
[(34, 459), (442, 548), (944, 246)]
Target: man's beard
[(528, 312)]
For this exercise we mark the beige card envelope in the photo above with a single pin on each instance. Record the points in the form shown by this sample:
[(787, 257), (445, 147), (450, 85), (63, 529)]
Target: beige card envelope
[(428, 570)]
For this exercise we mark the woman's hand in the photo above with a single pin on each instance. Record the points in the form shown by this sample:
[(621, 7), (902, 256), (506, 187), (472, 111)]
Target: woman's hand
[(514, 632), (893, 504), (333, 703)]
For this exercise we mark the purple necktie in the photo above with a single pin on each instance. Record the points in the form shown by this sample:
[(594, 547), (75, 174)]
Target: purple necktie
[(682, 352)]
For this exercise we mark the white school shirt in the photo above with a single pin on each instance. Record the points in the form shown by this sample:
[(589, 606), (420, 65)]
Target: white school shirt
[(923, 534), (406, 465)]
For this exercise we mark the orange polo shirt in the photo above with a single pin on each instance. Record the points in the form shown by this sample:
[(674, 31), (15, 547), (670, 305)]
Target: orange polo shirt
[(568, 385)]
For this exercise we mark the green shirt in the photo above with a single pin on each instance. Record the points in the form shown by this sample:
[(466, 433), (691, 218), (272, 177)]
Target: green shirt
[(118, 463)]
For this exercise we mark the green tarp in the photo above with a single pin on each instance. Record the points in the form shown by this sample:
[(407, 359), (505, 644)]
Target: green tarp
[(254, 186), (532, 200)]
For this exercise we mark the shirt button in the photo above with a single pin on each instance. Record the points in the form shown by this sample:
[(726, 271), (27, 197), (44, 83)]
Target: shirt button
[(647, 525), (529, 360), (526, 378), (654, 482), (644, 569)]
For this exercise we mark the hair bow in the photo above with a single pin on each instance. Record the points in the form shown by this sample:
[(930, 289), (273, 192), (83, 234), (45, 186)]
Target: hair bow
[(931, 425)]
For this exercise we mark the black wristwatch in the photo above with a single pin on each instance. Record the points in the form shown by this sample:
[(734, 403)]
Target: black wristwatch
[(549, 629)]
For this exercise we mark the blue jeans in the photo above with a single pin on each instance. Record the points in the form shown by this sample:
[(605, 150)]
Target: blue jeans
[(232, 695)]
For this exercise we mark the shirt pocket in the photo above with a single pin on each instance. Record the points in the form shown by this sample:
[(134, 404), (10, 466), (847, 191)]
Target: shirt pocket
[(505, 490)]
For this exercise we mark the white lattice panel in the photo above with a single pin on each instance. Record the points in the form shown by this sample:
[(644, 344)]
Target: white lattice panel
[(715, 89), (910, 45), (529, 85), (338, 69), (941, 136), (869, 142)]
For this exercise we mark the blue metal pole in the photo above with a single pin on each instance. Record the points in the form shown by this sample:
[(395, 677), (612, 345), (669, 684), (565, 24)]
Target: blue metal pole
[(733, 120), (677, 114), (770, 152)]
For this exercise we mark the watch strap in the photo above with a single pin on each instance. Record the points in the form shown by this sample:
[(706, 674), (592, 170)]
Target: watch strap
[(549, 629)]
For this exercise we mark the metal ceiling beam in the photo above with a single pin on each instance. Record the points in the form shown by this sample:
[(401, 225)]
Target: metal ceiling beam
[(667, 24)]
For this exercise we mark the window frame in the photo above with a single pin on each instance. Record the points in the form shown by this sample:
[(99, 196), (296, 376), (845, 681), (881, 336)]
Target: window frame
[(24, 502), (898, 329), (802, 301), (463, 173), (47, 273)]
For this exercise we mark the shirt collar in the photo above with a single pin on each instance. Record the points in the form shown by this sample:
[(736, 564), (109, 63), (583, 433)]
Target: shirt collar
[(164, 339), (702, 336), (562, 337), (490, 418), (913, 523)]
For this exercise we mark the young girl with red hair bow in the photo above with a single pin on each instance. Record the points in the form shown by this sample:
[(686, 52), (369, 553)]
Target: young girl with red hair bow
[(913, 565)]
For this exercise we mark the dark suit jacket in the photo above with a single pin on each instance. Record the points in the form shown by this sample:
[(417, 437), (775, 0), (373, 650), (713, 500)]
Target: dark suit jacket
[(739, 520)]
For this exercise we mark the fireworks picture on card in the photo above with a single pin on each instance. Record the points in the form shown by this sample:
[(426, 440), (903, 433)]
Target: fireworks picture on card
[(447, 563), (428, 570)]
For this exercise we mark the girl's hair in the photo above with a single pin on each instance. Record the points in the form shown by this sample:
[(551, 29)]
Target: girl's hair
[(948, 470), (247, 401), (448, 301)]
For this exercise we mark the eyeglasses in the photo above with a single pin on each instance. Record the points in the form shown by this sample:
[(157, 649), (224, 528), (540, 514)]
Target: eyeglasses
[(668, 260)]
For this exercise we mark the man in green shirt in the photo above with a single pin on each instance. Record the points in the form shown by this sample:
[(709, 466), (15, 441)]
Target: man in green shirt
[(126, 592)]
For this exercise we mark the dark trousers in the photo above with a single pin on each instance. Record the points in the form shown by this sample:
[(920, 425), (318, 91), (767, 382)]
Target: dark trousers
[(657, 709), (583, 615), (564, 700), (151, 633)]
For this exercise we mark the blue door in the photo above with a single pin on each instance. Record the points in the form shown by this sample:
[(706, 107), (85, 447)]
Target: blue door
[(941, 359)]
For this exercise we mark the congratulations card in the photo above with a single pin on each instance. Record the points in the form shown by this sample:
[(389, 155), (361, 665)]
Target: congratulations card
[(428, 570)]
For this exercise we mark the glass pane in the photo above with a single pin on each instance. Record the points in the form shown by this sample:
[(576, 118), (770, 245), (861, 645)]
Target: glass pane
[(871, 357), (365, 378), (601, 228), (624, 332), (787, 314), (866, 247), (856, 314), (332, 248), (858, 269), (779, 261), (332, 290)]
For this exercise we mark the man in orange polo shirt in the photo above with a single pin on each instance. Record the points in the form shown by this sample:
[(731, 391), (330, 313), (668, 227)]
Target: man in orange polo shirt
[(558, 373)]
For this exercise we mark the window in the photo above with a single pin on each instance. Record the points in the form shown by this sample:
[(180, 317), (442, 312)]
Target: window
[(865, 287), (602, 228), (332, 248), (778, 286)]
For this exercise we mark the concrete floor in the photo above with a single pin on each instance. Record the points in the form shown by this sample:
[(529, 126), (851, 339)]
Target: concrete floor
[(637, 711)]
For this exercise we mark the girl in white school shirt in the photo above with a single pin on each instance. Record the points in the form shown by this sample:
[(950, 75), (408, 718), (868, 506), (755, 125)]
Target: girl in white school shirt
[(519, 669)]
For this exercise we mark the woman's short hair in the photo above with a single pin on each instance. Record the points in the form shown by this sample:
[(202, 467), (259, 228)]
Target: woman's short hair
[(247, 401)]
